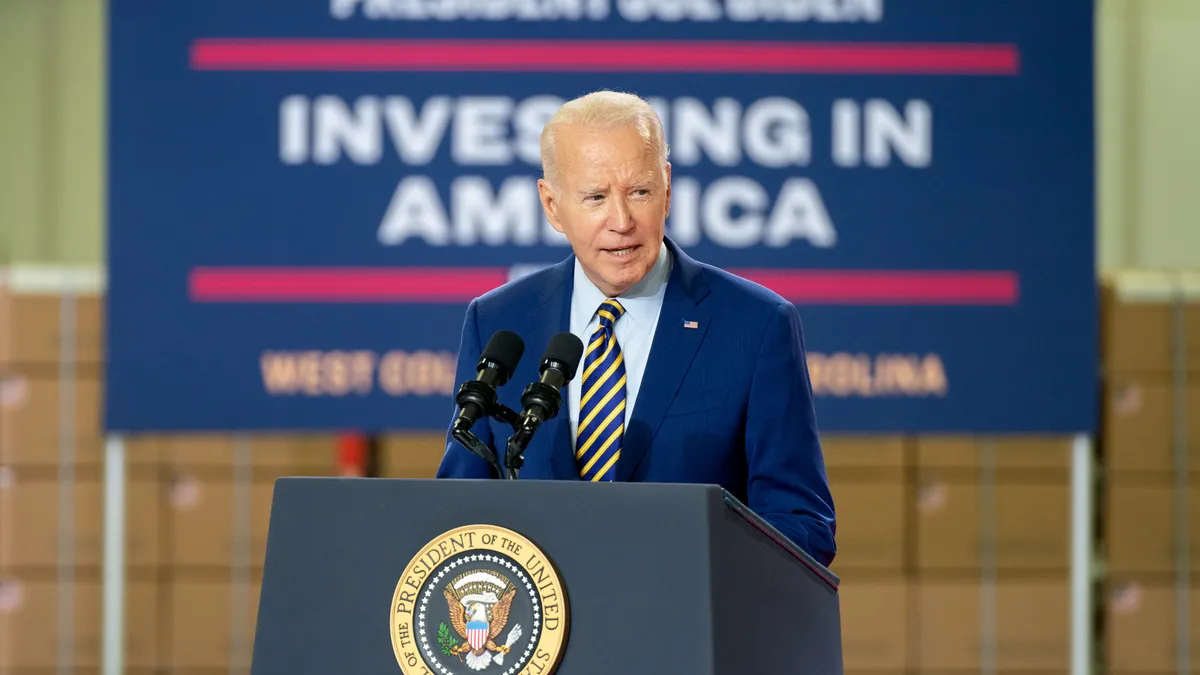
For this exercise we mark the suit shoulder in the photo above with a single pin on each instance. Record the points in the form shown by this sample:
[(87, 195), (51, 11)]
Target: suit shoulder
[(730, 289), (519, 291)]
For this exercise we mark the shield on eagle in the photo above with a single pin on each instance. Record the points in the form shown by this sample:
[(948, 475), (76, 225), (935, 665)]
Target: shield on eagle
[(477, 634)]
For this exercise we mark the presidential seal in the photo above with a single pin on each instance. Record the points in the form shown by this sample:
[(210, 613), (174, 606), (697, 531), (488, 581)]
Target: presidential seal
[(479, 599)]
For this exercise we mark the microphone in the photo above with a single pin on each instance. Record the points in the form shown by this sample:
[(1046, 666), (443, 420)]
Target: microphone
[(542, 399), (476, 398)]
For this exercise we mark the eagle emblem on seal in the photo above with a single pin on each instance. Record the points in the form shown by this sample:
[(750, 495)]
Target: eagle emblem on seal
[(479, 603)]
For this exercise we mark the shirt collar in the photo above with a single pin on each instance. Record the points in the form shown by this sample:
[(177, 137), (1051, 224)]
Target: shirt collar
[(639, 301)]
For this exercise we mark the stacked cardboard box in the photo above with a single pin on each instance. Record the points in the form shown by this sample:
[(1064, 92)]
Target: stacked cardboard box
[(196, 517), (871, 496), (993, 556), (50, 490), (411, 455), (953, 553), (216, 506), (1151, 455)]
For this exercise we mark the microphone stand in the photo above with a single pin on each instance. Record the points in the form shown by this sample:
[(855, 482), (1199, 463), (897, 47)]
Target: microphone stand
[(513, 419), (471, 442), (543, 401), (540, 400), (515, 448)]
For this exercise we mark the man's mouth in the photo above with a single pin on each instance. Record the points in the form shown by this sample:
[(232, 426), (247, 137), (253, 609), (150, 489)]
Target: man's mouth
[(624, 252)]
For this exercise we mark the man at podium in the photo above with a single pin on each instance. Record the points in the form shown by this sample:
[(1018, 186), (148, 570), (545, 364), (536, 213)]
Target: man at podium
[(690, 374)]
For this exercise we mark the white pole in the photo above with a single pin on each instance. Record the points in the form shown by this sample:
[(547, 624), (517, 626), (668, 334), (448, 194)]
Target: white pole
[(243, 492), (1081, 555), (113, 618), (987, 557), (1182, 535), (66, 482)]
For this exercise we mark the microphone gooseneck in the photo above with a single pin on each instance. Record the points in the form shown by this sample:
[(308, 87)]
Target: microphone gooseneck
[(542, 399)]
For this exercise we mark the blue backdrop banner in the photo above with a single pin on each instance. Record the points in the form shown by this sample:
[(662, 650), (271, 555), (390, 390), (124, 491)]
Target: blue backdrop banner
[(305, 195)]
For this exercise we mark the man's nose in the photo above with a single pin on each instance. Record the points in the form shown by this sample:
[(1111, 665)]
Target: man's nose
[(621, 217)]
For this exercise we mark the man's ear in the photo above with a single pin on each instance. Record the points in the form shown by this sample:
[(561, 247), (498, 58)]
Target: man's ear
[(549, 203), (668, 177)]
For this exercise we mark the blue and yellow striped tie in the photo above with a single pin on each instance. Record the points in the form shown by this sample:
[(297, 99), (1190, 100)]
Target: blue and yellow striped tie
[(601, 400)]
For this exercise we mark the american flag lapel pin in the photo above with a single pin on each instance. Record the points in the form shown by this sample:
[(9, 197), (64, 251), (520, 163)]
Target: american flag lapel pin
[(690, 324)]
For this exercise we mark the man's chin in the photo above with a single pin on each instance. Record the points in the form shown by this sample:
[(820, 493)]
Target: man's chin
[(622, 279)]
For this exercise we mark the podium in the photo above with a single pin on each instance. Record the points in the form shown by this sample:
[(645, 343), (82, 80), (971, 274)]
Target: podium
[(379, 576)]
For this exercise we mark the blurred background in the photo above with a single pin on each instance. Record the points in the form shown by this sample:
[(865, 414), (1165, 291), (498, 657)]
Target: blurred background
[(954, 550)]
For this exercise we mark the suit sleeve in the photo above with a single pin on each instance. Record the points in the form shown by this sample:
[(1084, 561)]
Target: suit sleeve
[(787, 484), (458, 462)]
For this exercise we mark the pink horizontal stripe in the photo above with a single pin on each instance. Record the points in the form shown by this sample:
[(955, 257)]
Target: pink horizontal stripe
[(463, 284), (604, 55), (442, 284), (887, 287)]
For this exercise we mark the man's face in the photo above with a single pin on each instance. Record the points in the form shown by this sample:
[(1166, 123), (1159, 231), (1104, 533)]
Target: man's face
[(611, 201)]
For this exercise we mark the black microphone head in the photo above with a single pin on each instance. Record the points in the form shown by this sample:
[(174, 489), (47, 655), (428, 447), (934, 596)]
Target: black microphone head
[(503, 353), (564, 350)]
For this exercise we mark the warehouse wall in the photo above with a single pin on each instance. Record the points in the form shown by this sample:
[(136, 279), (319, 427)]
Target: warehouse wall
[(1149, 145), (52, 138), (52, 69)]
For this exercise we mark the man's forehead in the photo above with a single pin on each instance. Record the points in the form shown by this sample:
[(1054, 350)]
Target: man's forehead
[(579, 140), (584, 153)]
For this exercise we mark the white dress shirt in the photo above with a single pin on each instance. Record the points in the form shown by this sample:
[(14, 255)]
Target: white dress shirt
[(635, 329)]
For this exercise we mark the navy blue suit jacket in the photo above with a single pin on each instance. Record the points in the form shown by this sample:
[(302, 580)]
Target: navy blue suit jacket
[(727, 403)]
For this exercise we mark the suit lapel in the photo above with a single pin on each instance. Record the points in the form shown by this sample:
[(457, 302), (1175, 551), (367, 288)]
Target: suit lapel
[(555, 308), (671, 354)]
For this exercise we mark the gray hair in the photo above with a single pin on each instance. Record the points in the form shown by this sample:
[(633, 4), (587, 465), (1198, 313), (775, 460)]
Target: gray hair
[(604, 110)]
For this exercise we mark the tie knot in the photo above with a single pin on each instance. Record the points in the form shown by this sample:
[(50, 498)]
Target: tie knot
[(610, 310)]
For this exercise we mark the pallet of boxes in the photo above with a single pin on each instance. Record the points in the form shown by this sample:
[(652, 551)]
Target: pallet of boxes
[(1150, 448), (197, 506), (953, 552)]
